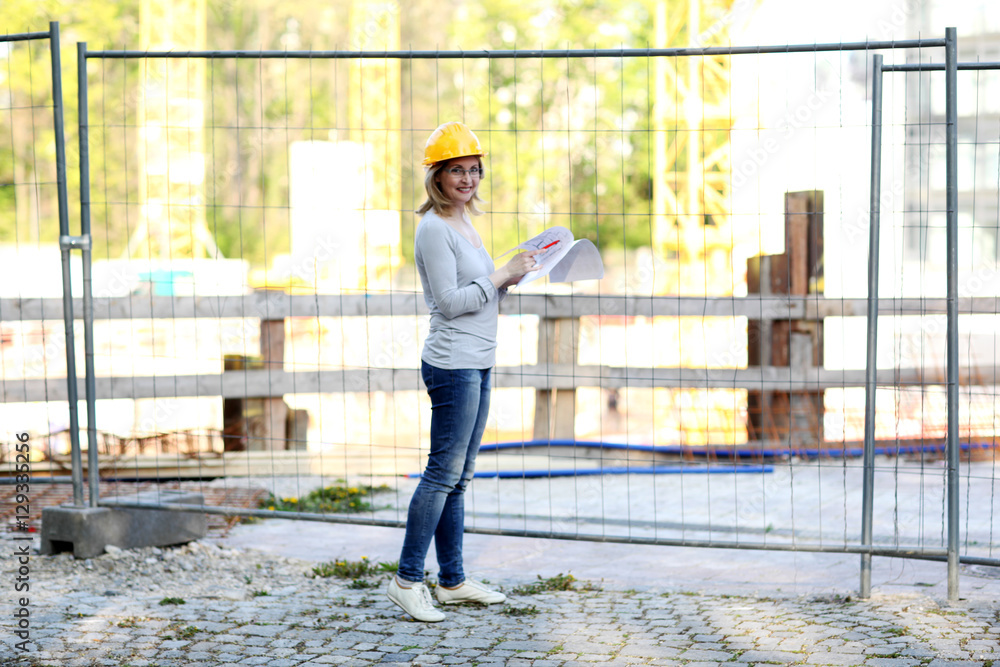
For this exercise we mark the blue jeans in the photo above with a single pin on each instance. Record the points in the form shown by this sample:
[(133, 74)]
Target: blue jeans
[(460, 401)]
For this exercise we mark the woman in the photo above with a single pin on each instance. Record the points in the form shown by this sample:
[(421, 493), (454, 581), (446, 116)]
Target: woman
[(463, 291)]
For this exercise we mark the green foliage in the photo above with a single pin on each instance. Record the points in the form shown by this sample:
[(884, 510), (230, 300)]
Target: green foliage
[(357, 571), (337, 499), (345, 569), (27, 135), (560, 582), (568, 138), (391, 567), (170, 600), (187, 632)]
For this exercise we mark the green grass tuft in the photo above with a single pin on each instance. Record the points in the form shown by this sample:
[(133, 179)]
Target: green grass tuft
[(336, 499), (166, 601), (560, 582)]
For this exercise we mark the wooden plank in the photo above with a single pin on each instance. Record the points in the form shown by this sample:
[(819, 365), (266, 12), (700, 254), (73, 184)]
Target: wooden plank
[(261, 383), (556, 306), (760, 348), (817, 279), (797, 241)]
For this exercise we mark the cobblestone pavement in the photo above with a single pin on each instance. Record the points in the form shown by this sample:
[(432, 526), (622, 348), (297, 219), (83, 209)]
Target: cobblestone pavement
[(203, 604)]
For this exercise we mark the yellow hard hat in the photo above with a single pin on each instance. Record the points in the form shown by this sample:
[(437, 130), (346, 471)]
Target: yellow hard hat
[(449, 141)]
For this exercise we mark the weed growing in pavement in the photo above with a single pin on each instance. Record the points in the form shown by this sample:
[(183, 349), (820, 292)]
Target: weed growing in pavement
[(336, 499), (530, 610), (129, 622), (356, 570), (259, 593), (391, 567), (560, 582), (345, 569), (168, 600), (361, 584), (836, 598), (176, 631), (321, 622)]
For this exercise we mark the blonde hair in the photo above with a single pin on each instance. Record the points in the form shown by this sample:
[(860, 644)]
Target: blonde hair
[(435, 197)]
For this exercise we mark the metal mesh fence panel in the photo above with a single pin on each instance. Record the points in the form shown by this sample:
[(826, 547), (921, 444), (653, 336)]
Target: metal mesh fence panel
[(260, 320), (33, 207)]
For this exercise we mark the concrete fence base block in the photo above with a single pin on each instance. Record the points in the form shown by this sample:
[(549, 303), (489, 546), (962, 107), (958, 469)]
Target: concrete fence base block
[(86, 531)]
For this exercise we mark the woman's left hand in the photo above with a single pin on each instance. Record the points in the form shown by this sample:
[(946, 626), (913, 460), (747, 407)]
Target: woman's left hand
[(512, 271)]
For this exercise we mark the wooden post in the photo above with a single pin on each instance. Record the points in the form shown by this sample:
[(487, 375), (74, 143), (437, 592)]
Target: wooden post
[(274, 422), (240, 416), (793, 417), (555, 409)]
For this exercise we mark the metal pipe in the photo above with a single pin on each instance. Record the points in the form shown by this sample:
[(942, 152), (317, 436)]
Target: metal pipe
[(940, 67), (26, 36), (534, 53), (93, 468), (35, 479), (871, 363), (951, 245), (891, 551), (64, 246)]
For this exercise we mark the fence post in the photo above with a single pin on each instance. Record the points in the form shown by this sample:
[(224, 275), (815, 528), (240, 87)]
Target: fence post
[(555, 409), (275, 417), (93, 462), (871, 368), (951, 173), (795, 415), (65, 245)]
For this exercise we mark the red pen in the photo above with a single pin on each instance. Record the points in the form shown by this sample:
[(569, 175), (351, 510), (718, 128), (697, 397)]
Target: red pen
[(546, 247)]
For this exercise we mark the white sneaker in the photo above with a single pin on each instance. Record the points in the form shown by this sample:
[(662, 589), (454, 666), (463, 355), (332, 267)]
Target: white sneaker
[(469, 591), (415, 601)]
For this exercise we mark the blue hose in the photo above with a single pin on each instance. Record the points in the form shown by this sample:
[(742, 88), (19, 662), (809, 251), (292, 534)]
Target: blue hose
[(678, 450), (622, 470), (618, 470)]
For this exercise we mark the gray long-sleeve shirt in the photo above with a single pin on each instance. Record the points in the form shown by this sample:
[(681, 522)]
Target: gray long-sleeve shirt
[(463, 301)]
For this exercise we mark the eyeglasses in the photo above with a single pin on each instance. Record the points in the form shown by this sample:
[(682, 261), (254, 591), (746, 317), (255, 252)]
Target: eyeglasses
[(458, 172)]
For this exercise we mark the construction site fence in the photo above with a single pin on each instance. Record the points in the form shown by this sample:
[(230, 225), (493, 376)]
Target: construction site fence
[(671, 404)]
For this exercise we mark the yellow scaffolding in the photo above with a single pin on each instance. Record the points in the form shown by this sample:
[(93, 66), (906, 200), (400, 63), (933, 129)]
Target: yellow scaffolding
[(692, 156), (171, 157)]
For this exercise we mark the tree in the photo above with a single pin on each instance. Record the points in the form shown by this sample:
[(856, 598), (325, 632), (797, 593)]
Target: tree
[(28, 204)]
